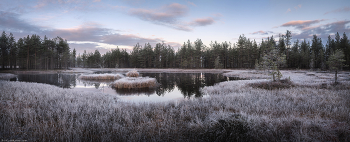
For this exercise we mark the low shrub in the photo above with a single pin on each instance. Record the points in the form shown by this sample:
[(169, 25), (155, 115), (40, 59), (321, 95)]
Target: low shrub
[(101, 76), (132, 73), (135, 82)]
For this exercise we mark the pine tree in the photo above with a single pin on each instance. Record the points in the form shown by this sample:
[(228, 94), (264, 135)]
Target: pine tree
[(335, 62), (4, 49), (273, 60), (345, 47)]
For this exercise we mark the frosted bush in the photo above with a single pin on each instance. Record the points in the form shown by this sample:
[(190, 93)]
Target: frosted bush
[(101, 76), (132, 73), (135, 82)]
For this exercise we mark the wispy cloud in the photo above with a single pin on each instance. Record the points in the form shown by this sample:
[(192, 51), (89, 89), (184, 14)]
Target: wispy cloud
[(170, 15), (344, 9), (167, 14), (93, 34), (300, 24), (68, 5), (288, 10), (261, 32), (10, 21), (297, 7), (202, 21), (191, 3), (324, 30)]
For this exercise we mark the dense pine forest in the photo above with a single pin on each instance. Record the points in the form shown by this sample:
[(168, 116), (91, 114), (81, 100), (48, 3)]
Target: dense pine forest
[(33, 52)]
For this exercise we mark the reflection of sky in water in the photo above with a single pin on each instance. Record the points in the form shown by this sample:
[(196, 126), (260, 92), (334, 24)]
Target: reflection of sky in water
[(173, 86)]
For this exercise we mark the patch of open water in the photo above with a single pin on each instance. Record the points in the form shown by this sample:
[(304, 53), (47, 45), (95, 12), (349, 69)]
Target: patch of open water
[(173, 86)]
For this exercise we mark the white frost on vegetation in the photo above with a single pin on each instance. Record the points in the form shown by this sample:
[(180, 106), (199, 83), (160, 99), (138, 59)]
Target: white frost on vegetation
[(233, 112), (132, 73), (40, 112), (7, 76), (135, 82), (298, 77), (101, 76), (276, 111), (314, 78), (248, 74)]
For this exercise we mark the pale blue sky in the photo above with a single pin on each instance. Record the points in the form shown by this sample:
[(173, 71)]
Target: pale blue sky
[(106, 24)]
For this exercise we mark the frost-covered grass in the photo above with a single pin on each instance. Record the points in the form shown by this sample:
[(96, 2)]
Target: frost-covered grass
[(234, 111), (39, 112), (292, 114), (6, 76), (135, 82), (248, 74), (101, 76), (132, 73), (299, 77)]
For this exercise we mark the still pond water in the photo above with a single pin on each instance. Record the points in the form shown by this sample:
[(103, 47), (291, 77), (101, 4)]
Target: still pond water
[(173, 86)]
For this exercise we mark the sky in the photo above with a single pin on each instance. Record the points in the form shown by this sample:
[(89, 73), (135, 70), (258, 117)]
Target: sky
[(108, 24)]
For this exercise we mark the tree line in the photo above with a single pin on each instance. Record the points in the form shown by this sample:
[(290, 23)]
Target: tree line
[(32, 52), (35, 53)]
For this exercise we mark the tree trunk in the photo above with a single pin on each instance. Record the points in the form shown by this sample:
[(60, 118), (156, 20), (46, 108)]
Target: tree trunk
[(28, 58), (336, 76), (35, 60)]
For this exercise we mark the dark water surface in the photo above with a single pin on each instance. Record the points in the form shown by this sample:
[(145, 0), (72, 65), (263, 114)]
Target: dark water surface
[(173, 86)]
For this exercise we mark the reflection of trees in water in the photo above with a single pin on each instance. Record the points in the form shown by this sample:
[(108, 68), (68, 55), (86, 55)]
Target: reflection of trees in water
[(165, 80), (60, 80), (188, 83), (96, 83), (138, 91)]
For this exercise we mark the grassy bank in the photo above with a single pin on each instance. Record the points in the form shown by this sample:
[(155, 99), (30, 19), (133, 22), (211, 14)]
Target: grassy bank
[(233, 112)]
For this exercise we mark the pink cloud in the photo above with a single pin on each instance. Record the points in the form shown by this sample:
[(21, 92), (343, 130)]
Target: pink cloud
[(297, 7), (167, 14), (300, 24), (288, 10), (262, 32), (170, 15)]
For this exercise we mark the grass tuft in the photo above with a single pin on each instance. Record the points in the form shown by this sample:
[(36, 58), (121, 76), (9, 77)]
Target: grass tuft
[(132, 73), (135, 82)]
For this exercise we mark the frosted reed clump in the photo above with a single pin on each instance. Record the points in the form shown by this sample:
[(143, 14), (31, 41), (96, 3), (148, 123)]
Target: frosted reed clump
[(135, 82), (132, 73), (101, 76)]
